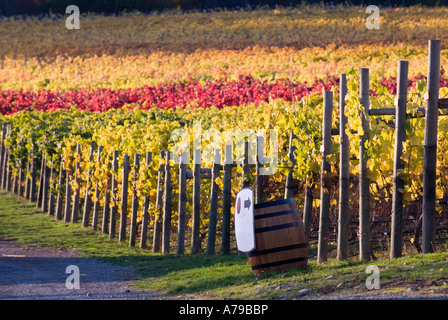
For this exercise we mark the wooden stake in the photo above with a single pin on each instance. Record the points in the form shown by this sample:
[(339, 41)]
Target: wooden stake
[(145, 217), (289, 186), (133, 229), (2, 150), (182, 214), (258, 168), (324, 217), (88, 198), (159, 207), (106, 207), (96, 204), (344, 174), (398, 183), (211, 239), (124, 199), (51, 199), (430, 147), (113, 190), (307, 207), (59, 199), (226, 200), (364, 182), (167, 207), (196, 219), (75, 206)]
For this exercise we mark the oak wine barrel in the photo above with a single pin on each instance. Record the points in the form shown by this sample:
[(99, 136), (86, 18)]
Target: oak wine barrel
[(280, 241)]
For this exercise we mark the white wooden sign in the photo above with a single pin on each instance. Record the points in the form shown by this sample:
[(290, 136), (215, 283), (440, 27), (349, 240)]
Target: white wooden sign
[(244, 220)]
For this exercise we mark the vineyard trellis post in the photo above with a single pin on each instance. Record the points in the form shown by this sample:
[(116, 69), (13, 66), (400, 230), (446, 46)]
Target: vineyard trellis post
[(211, 239), (32, 190), (226, 197), (40, 191), (364, 181), (87, 198), (106, 206), (182, 203), (134, 211), (68, 194), (27, 177), (96, 204), (157, 234), (59, 199), (258, 168), (113, 196), (75, 206), (289, 186), (166, 224), (51, 199), (324, 216), (145, 215), (124, 198), (344, 174), (2, 150), (196, 217), (430, 147), (398, 182)]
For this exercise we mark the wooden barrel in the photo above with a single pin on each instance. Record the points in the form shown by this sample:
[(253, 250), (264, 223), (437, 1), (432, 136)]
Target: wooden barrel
[(280, 241)]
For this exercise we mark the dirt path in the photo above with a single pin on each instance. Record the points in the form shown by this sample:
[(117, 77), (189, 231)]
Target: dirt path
[(35, 273)]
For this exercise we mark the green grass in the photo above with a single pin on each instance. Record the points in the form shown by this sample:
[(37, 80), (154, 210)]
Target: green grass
[(222, 276)]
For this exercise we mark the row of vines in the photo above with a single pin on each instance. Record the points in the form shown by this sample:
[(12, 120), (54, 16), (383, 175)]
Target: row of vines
[(136, 129)]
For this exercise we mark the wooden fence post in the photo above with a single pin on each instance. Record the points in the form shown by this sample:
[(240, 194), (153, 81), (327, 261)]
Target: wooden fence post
[(159, 207), (145, 216), (45, 185), (430, 147), (58, 213), (259, 165), (226, 198), (196, 218), (32, 192), (364, 181), (68, 196), (28, 178), (96, 204), (325, 183), (2, 150), (133, 228), (51, 198), (8, 167), (211, 239), (289, 186), (5, 170), (167, 207), (396, 234), (124, 199), (113, 192), (344, 174), (182, 206), (308, 207), (20, 184), (245, 182), (41, 182), (106, 206), (88, 198), (75, 206)]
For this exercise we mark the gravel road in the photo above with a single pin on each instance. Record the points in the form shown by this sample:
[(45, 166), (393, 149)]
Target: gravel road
[(29, 272)]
